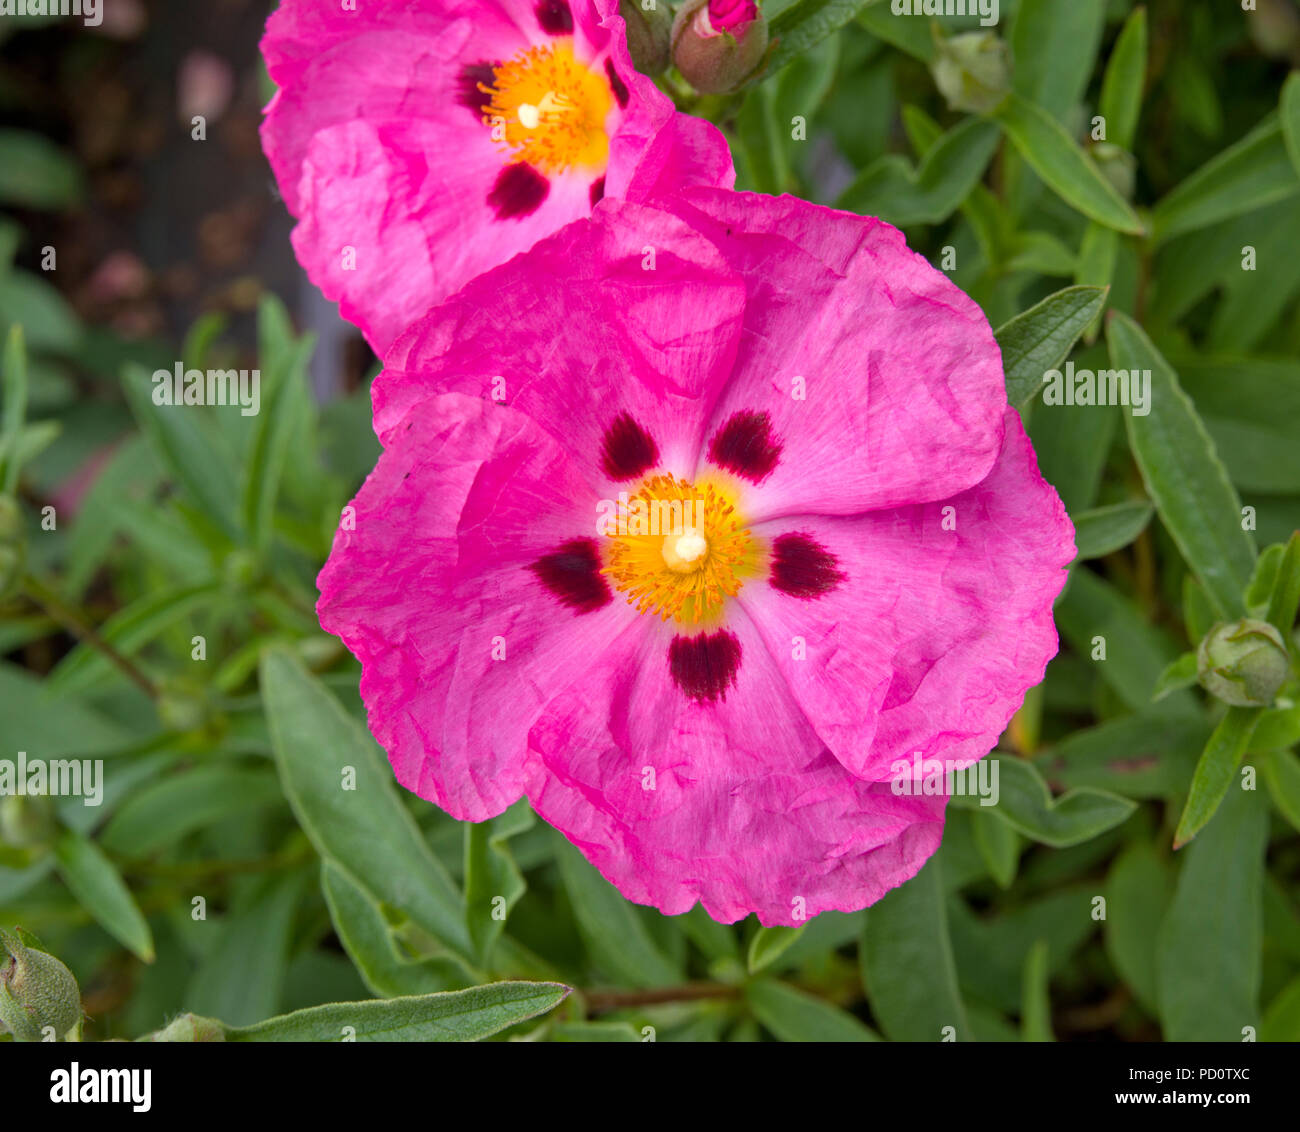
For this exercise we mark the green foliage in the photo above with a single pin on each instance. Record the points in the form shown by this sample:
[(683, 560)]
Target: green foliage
[(254, 870)]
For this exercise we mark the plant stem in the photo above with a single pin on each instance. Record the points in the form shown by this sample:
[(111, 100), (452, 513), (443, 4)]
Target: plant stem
[(601, 1001)]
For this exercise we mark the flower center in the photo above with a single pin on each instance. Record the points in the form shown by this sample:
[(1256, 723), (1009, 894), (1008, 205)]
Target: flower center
[(680, 550), (549, 110)]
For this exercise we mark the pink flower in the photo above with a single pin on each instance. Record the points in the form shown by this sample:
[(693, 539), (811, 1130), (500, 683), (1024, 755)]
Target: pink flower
[(713, 713), (421, 143), (727, 15)]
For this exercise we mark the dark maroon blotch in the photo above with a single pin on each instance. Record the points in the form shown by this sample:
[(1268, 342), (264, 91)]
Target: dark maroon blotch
[(745, 445), (617, 85), (555, 17), (802, 567), (597, 191), (704, 667), (573, 575), (467, 86), (627, 449), (518, 192)]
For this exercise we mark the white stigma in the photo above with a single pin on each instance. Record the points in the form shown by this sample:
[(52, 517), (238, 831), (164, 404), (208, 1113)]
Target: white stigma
[(530, 117), (691, 546)]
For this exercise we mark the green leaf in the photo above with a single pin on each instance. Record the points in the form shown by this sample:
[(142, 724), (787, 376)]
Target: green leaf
[(1025, 803), (1284, 601), (1254, 172), (241, 978), (594, 1032), (452, 1016), (14, 387), (1041, 338), (1105, 530), (804, 24), (1208, 951), (1183, 474), (184, 447), (164, 812), (366, 831), (795, 1016), (951, 168), (1281, 1021), (1035, 996), (48, 322), (910, 35), (1148, 754), (1289, 108), (1124, 80), (491, 875), (101, 891), (369, 941), (1215, 772), (1095, 265), (907, 962), (998, 845), (617, 939), (1138, 890), (769, 944), (1182, 673), (1070, 172), (1282, 776), (34, 173), (1055, 46)]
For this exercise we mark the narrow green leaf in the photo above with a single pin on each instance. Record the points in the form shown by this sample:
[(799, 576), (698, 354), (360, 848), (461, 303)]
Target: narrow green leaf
[(795, 1016), (1282, 775), (1035, 996), (1284, 602), (1182, 673), (1281, 1021), (1208, 951), (768, 945), (1041, 338), (1070, 172), (14, 387), (164, 812), (1183, 474), (452, 1016), (184, 447), (1290, 116), (804, 24), (1138, 890), (1055, 48), (615, 936), (34, 173), (998, 845), (101, 891), (908, 966), (1215, 772), (1254, 172), (1105, 530), (493, 882), (912, 36), (1124, 80), (342, 792), (1095, 265), (369, 941), (1025, 802)]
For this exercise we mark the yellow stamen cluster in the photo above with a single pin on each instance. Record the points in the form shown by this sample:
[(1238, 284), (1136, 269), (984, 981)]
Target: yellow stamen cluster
[(549, 110), (686, 572)]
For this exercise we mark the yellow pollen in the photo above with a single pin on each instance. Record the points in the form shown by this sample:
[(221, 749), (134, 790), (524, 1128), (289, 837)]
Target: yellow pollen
[(680, 550), (549, 110)]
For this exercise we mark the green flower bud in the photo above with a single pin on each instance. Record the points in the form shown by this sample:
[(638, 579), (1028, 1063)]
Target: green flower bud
[(1118, 166), (37, 992), (718, 44), (1244, 663), (189, 1028), (972, 71), (649, 32)]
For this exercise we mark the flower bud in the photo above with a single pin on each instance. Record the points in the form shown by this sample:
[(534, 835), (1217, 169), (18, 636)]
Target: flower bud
[(1118, 166), (972, 71), (37, 992), (26, 822), (718, 44), (1244, 663), (649, 31), (189, 1028)]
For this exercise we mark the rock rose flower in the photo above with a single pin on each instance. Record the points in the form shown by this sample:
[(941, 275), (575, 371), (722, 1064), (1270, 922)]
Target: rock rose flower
[(861, 566), (420, 143)]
